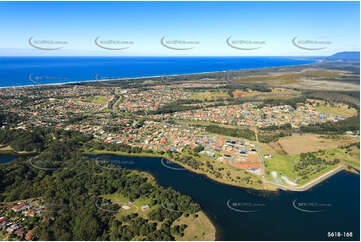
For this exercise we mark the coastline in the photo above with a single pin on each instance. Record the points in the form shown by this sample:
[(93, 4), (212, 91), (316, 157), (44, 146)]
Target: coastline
[(157, 76)]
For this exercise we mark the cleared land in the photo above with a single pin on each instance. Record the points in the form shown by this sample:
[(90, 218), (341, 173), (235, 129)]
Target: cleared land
[(297, 144), (196, 228), (208, 95), (134, 208), (286, 153), (312, 183)]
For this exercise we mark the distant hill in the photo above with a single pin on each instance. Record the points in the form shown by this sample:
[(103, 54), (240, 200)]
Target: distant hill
[(346, 55)]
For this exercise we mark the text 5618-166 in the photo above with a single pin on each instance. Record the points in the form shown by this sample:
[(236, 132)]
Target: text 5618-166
[(339, 234)]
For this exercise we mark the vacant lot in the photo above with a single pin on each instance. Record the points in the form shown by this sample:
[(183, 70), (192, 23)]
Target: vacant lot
[(208, 95), (97, 99), (340, 109), (282, 164), (297, 144)]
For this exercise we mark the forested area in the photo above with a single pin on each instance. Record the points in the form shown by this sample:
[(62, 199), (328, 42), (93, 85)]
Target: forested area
[(274, 132), (312, 162), (267, 137), (77, 185), (352, 98), (277, 127), (277, 102), (55, 143), (240, 133), (9, 118), (339, 127)]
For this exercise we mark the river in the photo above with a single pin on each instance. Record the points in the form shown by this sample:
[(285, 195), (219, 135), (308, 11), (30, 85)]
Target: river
[(244, 214), (6, 158)]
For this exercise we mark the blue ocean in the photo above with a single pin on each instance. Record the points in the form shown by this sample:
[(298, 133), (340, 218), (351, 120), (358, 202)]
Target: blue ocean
[(25, 71)]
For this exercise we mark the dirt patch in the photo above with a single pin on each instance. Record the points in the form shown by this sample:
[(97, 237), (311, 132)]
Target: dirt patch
[(247, 165), (253, 157)]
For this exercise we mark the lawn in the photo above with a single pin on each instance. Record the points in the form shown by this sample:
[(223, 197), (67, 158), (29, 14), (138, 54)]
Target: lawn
[(340, 110), (207, 95), (282, 164), (97, 99), (351, 158), (118, 198), (297, 143)]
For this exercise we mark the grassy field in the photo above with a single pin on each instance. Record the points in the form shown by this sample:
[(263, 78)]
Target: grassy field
[(293, 77), (284, 164), (98, 99), (351, 157), (340, 110), (135, 207), (275, 92), (199, 228), (309, 78), (208, 95), (316, 174), (107, 110), (297, 144), (93, 99)]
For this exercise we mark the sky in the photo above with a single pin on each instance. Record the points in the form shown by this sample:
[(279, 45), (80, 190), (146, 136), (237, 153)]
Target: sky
[(179, 28)]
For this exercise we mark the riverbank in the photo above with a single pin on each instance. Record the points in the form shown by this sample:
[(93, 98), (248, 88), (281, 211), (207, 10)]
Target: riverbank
[(213, 198), (268, 186), (256, 187), (197, 226), (312, 183), (7, 150)]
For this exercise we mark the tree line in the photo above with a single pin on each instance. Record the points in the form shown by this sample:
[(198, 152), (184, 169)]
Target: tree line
[(79, 184), (233, 132)]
